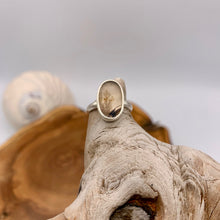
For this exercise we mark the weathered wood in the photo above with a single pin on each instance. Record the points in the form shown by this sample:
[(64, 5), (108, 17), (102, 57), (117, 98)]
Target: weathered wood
[(131, 175), (122, 160), (41, 165)]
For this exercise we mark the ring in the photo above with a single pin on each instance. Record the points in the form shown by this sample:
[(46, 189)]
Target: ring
[(110, 101)]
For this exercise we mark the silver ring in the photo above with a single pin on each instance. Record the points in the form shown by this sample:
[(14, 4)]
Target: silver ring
[(110, 101)]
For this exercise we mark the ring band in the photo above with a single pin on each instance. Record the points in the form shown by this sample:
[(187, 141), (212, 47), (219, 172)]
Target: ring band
[(93, 106), (110, 101)]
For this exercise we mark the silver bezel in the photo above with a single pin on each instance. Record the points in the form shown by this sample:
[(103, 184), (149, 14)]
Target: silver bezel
[(106, 118), (95, 105)]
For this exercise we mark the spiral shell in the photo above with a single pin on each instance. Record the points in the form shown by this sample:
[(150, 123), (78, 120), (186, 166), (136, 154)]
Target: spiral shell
[(32, 95)]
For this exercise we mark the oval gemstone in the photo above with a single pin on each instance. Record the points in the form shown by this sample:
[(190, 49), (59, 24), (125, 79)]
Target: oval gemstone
[(110, 100)]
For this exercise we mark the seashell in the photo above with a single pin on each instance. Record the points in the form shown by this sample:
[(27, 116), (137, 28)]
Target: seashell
[(32, 95)]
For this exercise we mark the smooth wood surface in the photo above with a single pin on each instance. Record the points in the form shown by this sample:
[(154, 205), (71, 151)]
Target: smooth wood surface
[(41, 165)]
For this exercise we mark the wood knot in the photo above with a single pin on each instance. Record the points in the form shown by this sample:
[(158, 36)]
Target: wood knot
[(135, 208), (4, 215)]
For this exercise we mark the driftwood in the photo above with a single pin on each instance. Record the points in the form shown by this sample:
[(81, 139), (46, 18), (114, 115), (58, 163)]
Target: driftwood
[(131, 175), (41, 165)]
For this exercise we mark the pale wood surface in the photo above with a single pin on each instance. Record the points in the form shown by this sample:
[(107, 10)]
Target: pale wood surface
[(125, 166)]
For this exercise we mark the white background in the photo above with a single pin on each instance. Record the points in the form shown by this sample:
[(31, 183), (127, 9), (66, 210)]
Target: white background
[(168, 53)]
